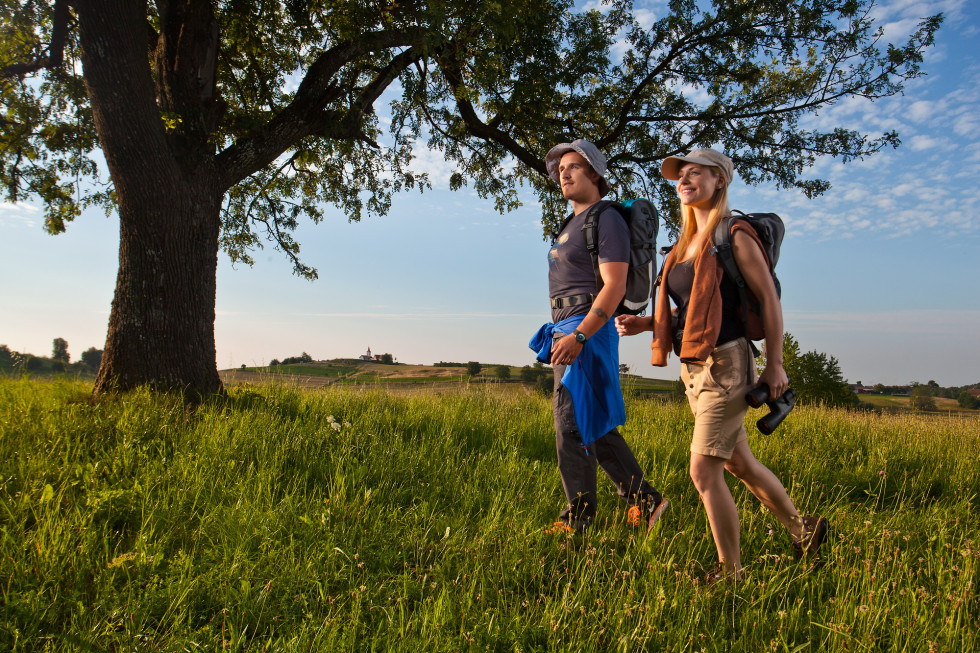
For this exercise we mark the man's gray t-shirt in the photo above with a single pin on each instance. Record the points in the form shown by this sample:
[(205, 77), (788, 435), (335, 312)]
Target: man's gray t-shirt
[(570, 270)]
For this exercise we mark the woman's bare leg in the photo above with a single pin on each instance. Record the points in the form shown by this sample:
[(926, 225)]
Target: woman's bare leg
[(708, 474), (761, 482)]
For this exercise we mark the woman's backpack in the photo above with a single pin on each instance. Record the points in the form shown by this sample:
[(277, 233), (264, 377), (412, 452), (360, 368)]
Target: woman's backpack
[(770, 229)]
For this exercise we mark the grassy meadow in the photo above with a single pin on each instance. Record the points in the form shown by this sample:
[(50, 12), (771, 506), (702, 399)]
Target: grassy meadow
[(356, 518)]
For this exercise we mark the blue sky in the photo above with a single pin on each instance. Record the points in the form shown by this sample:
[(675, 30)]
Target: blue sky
[(880, 272)]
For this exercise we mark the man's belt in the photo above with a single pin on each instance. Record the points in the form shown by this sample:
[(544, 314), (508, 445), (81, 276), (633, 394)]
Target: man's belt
[(574, 300)]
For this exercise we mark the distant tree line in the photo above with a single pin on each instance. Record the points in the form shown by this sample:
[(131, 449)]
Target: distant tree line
[(60, 360), (386, 359), (538, 376), (923, 395), (292, 360)]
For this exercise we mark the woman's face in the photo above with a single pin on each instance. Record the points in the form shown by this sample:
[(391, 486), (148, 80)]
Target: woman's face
[(697, 185)]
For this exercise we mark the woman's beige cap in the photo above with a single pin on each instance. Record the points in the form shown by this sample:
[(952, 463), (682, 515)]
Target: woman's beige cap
[(671, 167)]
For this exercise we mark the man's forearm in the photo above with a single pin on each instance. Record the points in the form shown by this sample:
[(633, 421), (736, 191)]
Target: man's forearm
[(602, 310)]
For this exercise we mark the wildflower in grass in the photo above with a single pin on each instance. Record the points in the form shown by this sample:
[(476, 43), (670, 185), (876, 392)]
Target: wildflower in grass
[(120, 560)]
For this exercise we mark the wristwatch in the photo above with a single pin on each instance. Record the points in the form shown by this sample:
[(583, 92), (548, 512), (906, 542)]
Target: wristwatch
[(579, 336)]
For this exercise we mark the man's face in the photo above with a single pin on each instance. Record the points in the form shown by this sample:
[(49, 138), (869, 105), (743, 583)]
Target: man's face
[(579, 182)]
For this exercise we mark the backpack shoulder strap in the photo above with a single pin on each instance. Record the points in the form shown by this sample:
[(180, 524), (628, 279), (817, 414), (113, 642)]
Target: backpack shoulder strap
[(664, 251), (723, 250), (564, 223), (591, 227), (722, 239), (590, 230)]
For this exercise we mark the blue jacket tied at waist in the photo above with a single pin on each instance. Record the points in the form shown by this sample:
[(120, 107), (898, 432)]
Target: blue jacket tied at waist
[(592, 380)]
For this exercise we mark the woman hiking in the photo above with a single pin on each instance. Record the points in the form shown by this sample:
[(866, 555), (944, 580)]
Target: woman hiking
[(718, 368)]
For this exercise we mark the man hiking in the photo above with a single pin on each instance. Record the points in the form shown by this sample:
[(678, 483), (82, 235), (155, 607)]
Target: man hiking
[(582, 345)]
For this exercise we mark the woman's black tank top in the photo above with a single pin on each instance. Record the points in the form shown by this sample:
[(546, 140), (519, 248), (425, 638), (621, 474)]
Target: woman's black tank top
[(679, 283)]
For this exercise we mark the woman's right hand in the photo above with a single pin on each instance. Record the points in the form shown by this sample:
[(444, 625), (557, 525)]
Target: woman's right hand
[(775, 377), (630, 325)]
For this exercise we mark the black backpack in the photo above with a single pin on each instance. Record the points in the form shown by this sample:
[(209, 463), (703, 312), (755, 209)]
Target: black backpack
[(643, 222), (770, 229)]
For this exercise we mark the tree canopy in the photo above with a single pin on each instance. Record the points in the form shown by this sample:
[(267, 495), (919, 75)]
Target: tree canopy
[(59, 350), (92, 357), (226, 123), (291, 112)]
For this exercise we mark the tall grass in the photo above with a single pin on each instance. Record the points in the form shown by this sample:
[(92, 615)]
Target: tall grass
[(290, 520)]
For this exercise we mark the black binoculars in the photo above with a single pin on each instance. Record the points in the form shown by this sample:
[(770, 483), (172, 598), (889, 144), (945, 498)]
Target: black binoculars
[(778, 408)]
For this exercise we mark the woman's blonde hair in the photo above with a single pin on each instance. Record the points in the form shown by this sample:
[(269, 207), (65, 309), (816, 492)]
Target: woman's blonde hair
[(689, 225)]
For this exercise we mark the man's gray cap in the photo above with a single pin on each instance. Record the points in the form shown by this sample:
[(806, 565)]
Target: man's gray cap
[(587, 150)]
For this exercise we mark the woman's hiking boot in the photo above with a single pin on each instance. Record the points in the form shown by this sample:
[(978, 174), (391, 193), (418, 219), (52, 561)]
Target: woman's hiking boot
[(815, 531), (717, 574)]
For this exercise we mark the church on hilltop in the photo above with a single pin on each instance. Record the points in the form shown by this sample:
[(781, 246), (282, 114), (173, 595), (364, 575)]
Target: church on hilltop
[(369, 356)]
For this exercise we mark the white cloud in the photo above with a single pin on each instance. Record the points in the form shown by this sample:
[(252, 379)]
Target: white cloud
[(433, 163), (923, 142), (967, 124), (898, 31), (596, 5), (645, 17), (922, 110), (895, 192), (19, 213), (917, 9)]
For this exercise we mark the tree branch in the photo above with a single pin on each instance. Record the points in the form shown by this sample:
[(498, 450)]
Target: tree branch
[(55, 50), (683, 45), (480, 129), (306, 114)]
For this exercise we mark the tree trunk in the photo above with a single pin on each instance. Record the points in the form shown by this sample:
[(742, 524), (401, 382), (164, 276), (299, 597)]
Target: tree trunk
[(161, 328)]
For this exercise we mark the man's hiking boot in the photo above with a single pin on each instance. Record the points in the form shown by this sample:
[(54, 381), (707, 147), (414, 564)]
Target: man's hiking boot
[(815, 531), (652, 513)]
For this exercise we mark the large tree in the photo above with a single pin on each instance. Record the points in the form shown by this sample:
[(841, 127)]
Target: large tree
[(222, 124)]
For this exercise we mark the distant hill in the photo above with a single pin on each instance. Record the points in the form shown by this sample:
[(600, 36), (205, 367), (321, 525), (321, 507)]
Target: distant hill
[(353, 371), (344, 371)]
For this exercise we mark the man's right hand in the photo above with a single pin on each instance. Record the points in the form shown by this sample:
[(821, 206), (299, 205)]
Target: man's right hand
[(565, 350)]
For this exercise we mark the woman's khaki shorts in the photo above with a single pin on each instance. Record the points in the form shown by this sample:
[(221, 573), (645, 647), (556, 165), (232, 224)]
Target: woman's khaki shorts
[(716, 392)]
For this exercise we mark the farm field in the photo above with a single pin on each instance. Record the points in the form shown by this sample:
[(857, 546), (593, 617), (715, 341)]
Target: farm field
[(339, 518), (893, 403)]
